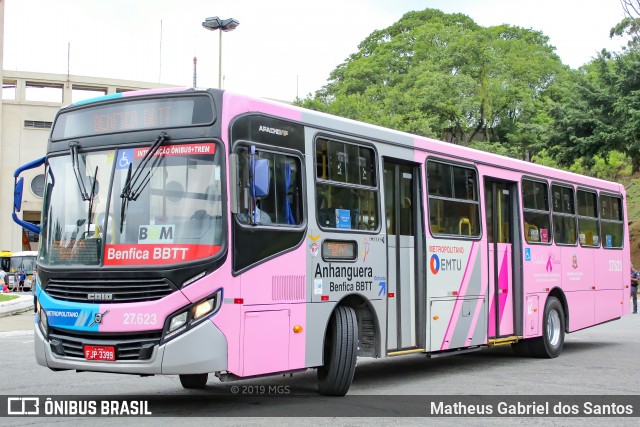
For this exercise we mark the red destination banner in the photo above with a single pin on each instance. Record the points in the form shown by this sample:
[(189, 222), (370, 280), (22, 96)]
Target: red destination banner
[(156, 254), (178, 150)]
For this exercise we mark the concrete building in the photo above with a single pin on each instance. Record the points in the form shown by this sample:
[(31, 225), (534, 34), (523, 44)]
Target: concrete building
[(30, 102), (27, 110)]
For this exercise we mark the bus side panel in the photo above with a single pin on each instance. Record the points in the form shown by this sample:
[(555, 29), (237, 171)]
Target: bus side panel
[(542, 271), (578, 285), (454, 274), (581, 309), (274, 297), (608, 305), (279, 280)]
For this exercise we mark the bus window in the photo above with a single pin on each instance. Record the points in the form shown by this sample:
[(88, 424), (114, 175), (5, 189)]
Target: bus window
[(5, 260), (346, 189), (536, 211), (611, 221), (453, 200), (564, 219), (283, 204), (588, 233)]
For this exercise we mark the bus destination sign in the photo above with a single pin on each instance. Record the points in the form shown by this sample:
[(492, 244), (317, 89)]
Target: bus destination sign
[(131, 114)]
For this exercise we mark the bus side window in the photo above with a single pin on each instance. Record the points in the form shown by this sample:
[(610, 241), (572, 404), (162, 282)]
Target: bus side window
[(612, 224), (536, 212), (346, 187), (453, 200), (283, 203)]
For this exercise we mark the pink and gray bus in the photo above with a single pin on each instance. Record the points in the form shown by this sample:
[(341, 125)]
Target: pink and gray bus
[(189, 232)]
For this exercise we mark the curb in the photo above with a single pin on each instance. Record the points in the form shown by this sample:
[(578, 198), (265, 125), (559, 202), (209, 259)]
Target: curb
[(18, 305)]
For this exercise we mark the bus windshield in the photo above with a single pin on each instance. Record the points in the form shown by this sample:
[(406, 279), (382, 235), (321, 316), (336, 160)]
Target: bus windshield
[(174, 214), (5, 260), (26, 263)]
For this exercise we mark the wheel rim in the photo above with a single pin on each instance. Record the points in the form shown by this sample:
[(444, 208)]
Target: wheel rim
[(553, 328)]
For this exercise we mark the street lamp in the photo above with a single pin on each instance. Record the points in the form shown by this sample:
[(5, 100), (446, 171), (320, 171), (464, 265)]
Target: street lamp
[(214, 24)]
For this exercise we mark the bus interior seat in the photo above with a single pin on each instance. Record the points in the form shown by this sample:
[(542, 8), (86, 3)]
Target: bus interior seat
[(464, 221), (535, 237)]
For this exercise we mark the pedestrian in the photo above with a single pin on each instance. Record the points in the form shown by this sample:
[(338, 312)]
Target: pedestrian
[(21, 278), (3, 283), (634, 288)]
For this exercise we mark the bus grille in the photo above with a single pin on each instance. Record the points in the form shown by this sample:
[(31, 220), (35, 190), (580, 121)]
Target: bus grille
[(131, 346), (109, 291)]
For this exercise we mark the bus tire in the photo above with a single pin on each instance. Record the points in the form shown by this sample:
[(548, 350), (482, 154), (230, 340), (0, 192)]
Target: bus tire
[(549, 345), (195, 381), (340, 351)]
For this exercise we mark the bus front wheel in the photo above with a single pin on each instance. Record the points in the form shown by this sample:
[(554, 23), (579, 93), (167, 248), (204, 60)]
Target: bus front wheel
[(550, 344), (340, 347), (194, 380)]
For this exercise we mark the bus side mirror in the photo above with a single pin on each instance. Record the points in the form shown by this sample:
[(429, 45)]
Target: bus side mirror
[(17, 194), (18, 188)]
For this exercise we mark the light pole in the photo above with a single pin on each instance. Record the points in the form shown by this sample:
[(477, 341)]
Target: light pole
[(214, 24)]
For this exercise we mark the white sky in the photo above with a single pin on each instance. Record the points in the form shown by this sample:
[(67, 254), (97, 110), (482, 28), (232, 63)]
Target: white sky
[(281, 49)]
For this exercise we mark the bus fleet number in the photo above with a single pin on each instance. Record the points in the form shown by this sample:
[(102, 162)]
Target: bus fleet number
[(615, 265), (140, 319)]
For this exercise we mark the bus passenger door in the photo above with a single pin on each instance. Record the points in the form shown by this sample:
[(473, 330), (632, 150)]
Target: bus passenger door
[(406, 290), (501, 215)]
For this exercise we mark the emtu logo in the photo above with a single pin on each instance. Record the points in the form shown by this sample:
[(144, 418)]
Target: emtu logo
[(434, 264)]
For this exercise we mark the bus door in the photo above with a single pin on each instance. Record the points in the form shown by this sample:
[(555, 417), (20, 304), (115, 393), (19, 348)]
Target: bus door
[(503, 248), (406, 288)]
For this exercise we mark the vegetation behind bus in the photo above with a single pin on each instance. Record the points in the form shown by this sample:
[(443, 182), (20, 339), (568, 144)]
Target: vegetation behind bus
[(501, 89)]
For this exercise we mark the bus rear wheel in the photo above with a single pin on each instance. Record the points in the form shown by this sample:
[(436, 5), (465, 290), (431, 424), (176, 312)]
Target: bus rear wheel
[(340, 351), (550, 344), (194, 381)]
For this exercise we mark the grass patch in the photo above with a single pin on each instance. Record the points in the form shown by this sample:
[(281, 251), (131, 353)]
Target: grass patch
[(4, 298)]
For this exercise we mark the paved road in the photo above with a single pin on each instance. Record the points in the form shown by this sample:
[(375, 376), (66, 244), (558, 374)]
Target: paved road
[(598, 361)]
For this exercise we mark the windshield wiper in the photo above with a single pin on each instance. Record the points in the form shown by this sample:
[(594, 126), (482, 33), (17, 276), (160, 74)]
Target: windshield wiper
[(128, 191), (73, 146), (125, 200), (91, 197)]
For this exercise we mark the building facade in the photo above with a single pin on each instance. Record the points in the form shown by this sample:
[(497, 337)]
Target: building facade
[(28, 108)]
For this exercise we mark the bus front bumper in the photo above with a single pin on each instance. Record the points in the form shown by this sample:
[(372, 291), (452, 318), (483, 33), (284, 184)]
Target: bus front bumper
[(202, 349)]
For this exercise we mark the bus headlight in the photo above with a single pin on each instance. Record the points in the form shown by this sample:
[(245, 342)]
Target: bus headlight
[(193, 315), (44, 323), (177, 321), (202, 309)]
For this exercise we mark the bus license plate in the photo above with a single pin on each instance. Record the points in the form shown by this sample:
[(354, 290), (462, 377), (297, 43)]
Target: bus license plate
[(100, 352)]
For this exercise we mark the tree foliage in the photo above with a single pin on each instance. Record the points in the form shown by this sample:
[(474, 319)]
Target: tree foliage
[(500, 89), (444, 76), (599, 110)]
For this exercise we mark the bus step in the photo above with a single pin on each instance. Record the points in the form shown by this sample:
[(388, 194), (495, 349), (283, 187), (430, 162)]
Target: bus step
[(503, 341), (401, 352)]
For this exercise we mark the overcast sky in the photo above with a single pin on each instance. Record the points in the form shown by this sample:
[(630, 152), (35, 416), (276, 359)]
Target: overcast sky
[(281, 49)]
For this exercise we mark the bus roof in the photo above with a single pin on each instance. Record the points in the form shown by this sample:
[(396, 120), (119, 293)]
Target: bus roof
[(127, 94), (24, 253)]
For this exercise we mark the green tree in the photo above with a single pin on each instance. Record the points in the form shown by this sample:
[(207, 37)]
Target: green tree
[(444, 76), (599, 111)]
